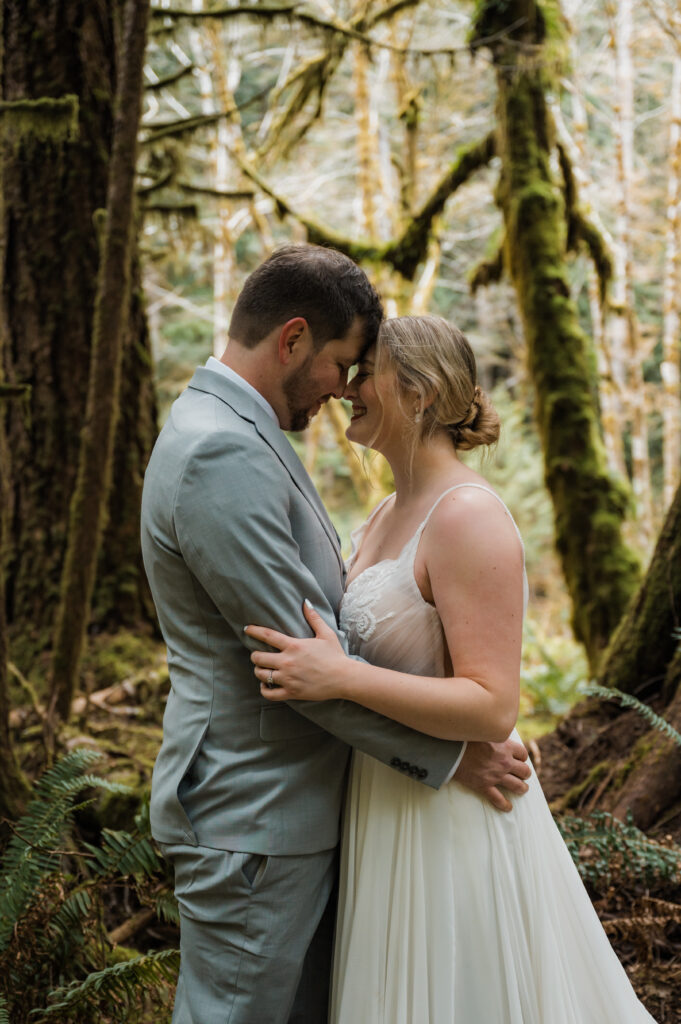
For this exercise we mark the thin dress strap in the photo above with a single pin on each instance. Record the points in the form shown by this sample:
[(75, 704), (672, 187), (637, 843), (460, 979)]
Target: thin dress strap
[(480, 487)]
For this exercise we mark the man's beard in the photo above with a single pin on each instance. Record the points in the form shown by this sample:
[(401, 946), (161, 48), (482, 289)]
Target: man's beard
[(301, 397)]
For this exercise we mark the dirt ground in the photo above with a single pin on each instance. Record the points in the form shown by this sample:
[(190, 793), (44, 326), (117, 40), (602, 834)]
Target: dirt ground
[(643, 921)]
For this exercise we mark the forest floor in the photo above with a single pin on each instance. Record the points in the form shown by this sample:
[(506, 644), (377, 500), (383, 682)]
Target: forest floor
[(577, 763), (642, 919)]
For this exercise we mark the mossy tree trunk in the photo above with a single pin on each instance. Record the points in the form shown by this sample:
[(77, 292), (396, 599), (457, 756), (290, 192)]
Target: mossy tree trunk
[(644, 658), (589, 506), (640, 768), (52, 190), (93, 483)]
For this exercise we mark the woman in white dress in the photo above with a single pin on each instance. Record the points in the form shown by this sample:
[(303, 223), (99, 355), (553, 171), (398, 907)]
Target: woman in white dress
[(450, 912)]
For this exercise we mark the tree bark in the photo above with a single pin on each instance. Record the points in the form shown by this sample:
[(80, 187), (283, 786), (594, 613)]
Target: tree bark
[(52, 191), (95, 466), (589, 505), (644, 643), (640, 768)]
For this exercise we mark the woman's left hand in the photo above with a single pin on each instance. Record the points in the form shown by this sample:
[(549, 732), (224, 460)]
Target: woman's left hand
[(303, 669)]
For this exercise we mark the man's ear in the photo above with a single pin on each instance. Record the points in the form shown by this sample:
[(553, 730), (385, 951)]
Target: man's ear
[(292, 339)]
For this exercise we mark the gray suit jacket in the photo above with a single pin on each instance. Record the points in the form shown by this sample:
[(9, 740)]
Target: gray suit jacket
[(233, 532)]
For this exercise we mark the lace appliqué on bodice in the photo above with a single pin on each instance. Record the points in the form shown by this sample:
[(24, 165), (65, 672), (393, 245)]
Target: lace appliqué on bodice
[(357, 616), (384, 615)]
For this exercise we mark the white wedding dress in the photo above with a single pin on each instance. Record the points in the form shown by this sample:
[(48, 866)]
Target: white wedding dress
[(452, 912)]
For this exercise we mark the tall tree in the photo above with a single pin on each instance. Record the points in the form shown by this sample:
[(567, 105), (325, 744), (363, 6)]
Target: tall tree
[(52, 191), (93, 482), (589, 506)]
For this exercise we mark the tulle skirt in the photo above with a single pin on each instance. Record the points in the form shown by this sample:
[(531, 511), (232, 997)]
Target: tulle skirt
[(454, 913)]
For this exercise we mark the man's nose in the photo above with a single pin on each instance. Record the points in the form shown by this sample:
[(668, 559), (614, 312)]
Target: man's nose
[(342, 385)]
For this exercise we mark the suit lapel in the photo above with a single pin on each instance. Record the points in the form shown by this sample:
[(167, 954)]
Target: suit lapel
[(249, 409)]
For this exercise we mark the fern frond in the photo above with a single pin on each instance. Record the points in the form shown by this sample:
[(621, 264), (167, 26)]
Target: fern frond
[(166, 908), (627, 701), (602, 847), (32, 854), (124, 853), (66, 924), (4, 1016), (120, 981)]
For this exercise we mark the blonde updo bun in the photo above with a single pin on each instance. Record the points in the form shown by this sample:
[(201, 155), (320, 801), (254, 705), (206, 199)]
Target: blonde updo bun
[(434, 364)]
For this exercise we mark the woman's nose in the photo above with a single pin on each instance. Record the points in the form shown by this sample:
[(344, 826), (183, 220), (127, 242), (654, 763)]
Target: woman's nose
[(349, 389)]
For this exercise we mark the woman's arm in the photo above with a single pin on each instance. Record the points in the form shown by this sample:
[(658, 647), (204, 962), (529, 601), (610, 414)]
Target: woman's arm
[(473, 561)]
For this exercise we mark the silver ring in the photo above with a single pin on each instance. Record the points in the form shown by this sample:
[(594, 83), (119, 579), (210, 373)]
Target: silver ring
[(269, 678)]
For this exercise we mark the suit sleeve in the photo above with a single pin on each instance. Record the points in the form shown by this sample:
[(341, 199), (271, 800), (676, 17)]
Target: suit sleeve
[(232, 522)]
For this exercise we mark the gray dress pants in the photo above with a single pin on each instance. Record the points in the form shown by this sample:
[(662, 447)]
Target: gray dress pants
[(255, 936)]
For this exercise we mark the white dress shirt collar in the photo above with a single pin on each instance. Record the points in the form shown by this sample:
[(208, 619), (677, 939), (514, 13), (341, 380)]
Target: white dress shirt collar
[(214, 364)]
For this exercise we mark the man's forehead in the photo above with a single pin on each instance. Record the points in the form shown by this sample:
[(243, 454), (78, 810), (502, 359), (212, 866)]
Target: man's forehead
[(349, 347)]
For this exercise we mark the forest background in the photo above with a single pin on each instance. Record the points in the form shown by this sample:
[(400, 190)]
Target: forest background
[(514, 166)]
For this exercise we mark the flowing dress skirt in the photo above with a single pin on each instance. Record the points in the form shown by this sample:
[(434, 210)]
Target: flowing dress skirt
[(454, 913)]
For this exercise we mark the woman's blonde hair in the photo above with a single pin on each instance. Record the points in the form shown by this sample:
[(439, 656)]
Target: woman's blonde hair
[(434, 363)]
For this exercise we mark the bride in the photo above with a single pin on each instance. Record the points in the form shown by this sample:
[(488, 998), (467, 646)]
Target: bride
[(450, 912)]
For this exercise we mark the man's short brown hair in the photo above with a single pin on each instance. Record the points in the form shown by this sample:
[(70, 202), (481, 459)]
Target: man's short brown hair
[(322, 285)]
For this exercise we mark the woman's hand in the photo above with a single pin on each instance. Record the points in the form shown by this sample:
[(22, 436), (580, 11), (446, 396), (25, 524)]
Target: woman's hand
[(313, 669)]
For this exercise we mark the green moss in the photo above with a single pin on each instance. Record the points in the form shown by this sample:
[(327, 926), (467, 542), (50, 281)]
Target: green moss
[(112, 658), (590, 507), (574, 794), (43, 120)]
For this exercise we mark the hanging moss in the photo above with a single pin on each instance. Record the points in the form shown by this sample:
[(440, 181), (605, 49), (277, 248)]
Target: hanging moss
[(581, 229), (42, 120), (487, 271)]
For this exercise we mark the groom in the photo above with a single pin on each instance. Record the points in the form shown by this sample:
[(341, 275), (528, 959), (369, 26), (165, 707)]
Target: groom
[(246, 795)]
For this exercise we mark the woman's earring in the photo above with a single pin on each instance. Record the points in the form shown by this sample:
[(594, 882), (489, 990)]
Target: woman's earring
[(418, 415)]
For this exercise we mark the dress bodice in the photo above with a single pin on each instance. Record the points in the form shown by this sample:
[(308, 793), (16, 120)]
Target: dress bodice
[(386, 618)]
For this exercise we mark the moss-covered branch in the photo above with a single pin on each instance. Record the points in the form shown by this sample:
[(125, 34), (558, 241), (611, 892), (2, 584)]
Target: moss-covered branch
[(580, 228), (216, 193), (405, 253), (410, 249), (175, 76), (488, 271), (164, 129)]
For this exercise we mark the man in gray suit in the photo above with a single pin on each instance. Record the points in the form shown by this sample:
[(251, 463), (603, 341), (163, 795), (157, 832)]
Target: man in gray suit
[(246, 795)]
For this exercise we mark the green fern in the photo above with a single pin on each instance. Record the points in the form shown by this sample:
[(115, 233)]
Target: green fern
[(603, 848), (119, 985), (627, 701), (33, 854), (52, 896)]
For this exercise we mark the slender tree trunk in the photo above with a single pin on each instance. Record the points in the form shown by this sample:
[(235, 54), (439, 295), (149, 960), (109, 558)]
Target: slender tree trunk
[(671, 349), (590, 507), (368, 178), (95, 467), (626, 345), (51, 192)]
